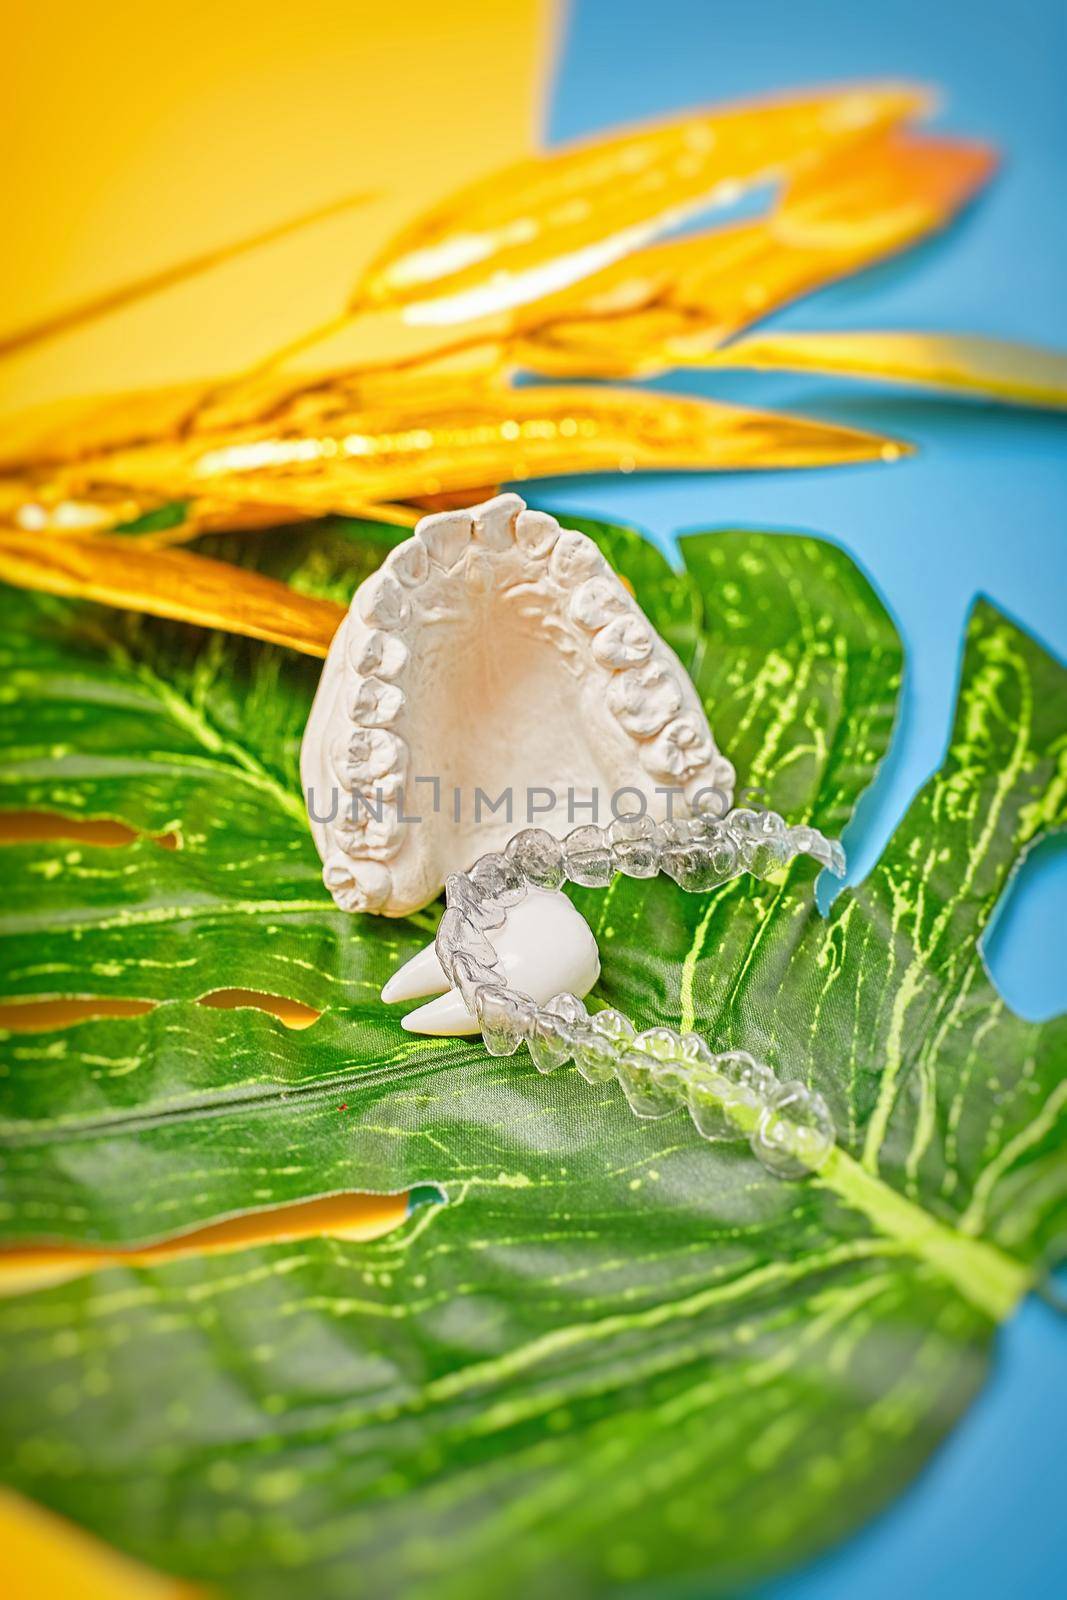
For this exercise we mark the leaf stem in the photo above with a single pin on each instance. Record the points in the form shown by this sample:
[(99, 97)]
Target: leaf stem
[(985, 1275)]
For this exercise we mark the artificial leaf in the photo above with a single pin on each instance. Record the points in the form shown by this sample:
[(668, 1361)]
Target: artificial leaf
[(170, 583), (179, 521), (655, 308), (223, 717), (618, 1354), (31, 507), (550, 220), (672, 304), (348, 371), (964, 363), (336, 1216), (853, 198), (70, 429), (25, 509), (349, 459), (64, 430)]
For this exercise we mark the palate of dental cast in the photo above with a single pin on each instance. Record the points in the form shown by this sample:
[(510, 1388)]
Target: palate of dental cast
[(492, 651), (505, 924)]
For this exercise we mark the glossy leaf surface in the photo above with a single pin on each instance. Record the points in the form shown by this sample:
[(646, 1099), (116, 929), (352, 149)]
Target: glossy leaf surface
[(170, 583), (343, 459), (528, 230), (676, 304), (967, 364), (618, 1354)]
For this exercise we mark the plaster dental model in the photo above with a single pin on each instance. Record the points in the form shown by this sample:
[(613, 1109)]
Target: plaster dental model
[(494, 651)]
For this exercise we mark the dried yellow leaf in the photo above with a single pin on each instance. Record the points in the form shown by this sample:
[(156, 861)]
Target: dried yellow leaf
[(548, 221), (31, 506), (170, 583), (68, 430), (349, 377), (45, 507), (372, 458), (1017, 374), (65, 430), (42, 505), (672, 304)]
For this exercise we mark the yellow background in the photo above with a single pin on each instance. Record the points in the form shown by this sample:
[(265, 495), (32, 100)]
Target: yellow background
[(137, 135)]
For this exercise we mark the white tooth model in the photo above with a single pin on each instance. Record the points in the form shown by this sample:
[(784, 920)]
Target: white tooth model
[(543, 948), (495, 651), (492, 652)]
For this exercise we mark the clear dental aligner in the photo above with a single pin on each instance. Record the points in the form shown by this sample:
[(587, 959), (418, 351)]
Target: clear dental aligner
[(730, 1096)]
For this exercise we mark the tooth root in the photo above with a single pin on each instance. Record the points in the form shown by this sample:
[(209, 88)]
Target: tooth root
[(444, 1017), (422, 975), (536, 532), (494, 522), (446, 536)]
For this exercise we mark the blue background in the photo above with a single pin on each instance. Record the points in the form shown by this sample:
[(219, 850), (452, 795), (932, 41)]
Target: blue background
[(980, 509)]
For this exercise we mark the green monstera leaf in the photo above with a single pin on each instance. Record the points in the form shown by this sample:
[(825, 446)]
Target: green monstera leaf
[(617, 1354)]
